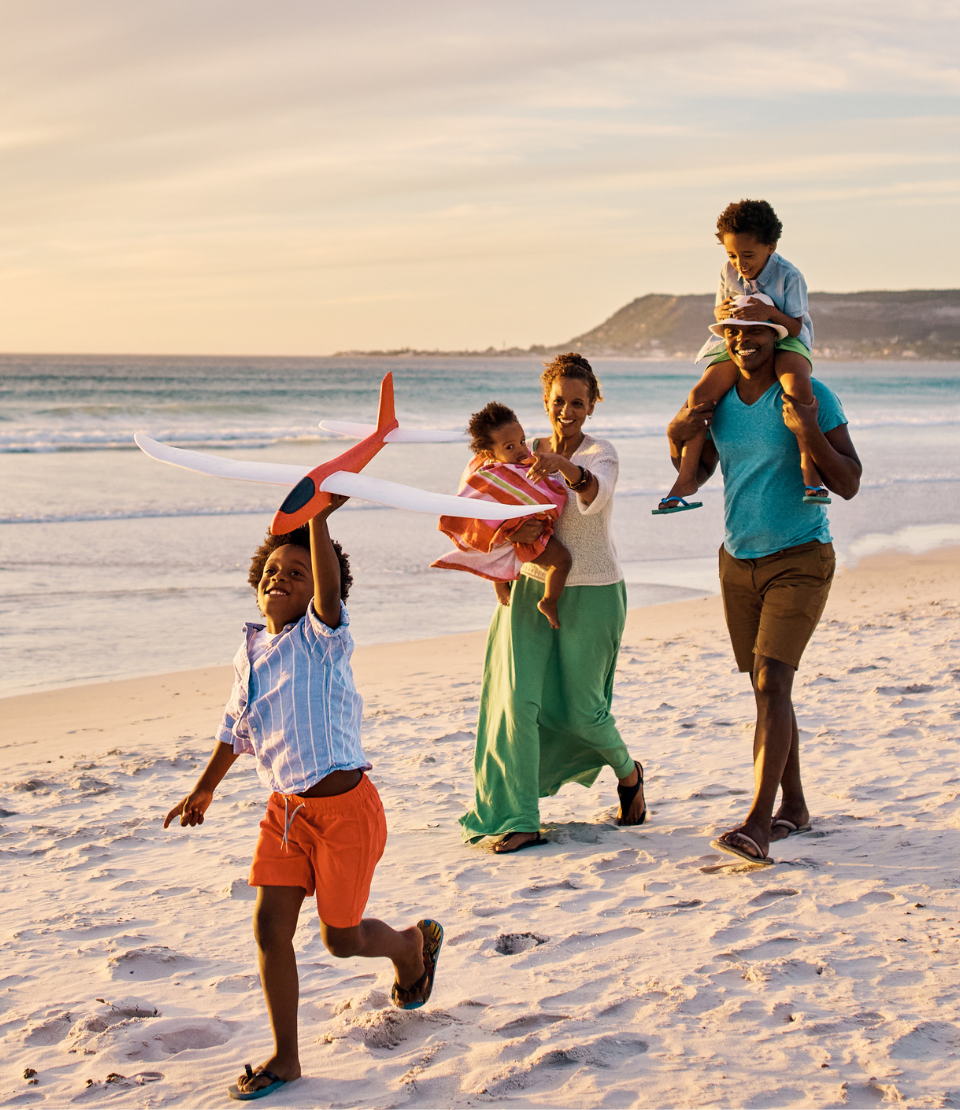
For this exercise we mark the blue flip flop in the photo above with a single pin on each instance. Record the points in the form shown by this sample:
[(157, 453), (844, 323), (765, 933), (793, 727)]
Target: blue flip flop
[(412, 998), (246, 1096), (813, 496), (680, 508)]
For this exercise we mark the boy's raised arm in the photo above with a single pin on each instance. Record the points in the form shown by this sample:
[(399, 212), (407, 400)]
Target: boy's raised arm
[(326, 566)]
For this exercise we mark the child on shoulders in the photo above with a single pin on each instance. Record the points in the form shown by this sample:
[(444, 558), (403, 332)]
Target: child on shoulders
[(757, 284), (295, 708), (499, 472)]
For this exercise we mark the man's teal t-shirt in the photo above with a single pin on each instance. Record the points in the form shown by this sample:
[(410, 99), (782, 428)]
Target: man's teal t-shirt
[(763, 487)]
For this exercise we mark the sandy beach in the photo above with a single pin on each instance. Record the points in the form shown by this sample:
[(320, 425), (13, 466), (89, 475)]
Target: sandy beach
[(614, 968)]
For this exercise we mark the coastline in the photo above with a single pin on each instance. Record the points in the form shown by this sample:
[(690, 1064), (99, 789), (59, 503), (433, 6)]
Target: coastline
[(611, 961), (143, 705)]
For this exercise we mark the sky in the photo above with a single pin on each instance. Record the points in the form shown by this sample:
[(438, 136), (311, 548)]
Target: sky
[(302, 177)]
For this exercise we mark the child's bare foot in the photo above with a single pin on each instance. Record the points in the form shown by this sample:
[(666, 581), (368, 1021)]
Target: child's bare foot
[(548, 606), (503, 592), (287, 1070), (410, 968)]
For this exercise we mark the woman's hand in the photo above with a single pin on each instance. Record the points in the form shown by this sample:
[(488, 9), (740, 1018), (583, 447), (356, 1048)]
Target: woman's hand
[(548, 462)]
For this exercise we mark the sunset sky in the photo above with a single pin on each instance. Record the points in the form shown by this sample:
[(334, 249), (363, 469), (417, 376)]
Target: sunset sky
[(229, 176)]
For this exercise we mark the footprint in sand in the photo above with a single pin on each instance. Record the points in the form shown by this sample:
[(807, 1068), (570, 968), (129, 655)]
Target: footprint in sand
[(152, 962), (512, 944), (929, 1038)]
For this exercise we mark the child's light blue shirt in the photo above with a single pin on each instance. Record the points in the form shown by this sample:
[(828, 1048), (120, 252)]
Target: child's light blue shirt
[(295, 706), (783, 284)]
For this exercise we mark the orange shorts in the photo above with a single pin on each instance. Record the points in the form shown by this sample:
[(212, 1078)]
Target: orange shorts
[(332, 847)]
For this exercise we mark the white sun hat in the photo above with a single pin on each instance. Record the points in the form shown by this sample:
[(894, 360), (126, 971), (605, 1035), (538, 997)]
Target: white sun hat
[(740, 302)]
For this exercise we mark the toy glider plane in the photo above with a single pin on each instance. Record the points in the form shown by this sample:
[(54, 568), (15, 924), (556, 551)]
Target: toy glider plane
[(312, 489)]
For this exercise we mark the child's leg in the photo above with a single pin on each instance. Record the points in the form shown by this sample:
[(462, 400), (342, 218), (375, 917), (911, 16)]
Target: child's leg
[(718, 379), (274, 923), (557, 561), (793, 372), (372, 938), (503, 592)]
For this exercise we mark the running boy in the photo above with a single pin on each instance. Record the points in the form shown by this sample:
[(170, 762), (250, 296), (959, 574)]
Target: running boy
[(756, 283), (295, 708), (498, 472)]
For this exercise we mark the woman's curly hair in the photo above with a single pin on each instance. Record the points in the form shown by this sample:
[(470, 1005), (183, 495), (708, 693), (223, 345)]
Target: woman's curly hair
[(750, 217), (570, 365), (484, 423), (299, 538)]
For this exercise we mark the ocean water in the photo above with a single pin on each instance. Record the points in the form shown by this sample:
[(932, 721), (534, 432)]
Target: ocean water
[(114, 565)]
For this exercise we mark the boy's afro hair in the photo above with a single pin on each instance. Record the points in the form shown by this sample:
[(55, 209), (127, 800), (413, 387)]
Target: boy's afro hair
[(570, 365), (299, 538), (484, 423), (750, 217)]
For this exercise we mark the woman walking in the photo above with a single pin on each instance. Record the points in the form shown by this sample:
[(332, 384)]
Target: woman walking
[(545, 705)]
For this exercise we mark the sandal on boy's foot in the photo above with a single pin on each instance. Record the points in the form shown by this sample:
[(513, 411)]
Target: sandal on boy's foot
[(816, 495), (412, 998), (627, 794), (735, 850), (535, 843), (261, 1092), (681, 506)]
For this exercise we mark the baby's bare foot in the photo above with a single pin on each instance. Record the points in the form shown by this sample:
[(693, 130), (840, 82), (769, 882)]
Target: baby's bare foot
[(548, 606), (503, 592)]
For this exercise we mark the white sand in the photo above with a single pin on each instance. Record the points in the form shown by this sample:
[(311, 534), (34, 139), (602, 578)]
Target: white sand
[(617, 967)]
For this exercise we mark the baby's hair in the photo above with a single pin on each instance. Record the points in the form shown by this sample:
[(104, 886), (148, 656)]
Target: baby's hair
[(299, 538), (750, 217), (484, 423), (571, 365)]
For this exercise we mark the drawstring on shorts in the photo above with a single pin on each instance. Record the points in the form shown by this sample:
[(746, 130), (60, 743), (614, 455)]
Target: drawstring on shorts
[(288, 820)]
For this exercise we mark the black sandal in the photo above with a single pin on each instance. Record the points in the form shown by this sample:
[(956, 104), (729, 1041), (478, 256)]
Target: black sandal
[(627, 795), (535, 843)]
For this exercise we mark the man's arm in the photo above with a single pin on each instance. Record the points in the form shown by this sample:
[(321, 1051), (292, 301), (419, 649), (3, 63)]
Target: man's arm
[(685, 425), (326, 566), (832, 452)]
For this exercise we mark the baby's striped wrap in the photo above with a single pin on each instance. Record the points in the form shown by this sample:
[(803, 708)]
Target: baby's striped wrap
[(483, 546)]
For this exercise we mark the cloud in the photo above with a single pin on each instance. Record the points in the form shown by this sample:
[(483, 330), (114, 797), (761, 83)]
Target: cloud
[(216, 152)]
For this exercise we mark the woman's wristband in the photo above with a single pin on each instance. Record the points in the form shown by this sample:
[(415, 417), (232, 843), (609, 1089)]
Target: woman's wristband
[(581, 483)]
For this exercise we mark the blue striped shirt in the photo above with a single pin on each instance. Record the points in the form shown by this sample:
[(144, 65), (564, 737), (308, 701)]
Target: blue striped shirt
[(295, 707), (783, 284)]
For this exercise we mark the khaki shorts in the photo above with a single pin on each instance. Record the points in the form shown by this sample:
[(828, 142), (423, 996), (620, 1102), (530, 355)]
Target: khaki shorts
[(773, 604)]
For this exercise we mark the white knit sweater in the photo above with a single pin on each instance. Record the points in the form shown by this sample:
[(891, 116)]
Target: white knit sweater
[(585, 530)]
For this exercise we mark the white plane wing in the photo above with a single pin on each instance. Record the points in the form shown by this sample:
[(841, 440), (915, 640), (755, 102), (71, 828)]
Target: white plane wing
[(362, 486), (420, 500), (398, 435), (277, 474)]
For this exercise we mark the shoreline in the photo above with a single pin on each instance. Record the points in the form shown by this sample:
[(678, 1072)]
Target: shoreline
[(144, 703)]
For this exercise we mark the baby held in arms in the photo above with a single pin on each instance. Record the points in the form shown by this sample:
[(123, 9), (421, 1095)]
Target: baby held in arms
[(499, 471)]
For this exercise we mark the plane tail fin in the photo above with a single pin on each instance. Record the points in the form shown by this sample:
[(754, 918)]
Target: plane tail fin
[(386, 416)]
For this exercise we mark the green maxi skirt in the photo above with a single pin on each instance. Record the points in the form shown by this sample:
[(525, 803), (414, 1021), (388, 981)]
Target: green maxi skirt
[(545, 705)]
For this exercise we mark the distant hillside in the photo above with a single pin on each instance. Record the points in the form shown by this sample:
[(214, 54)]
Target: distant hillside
[(922, 323), (918, 323)]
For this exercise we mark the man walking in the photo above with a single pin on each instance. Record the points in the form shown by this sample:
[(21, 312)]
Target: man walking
[(777, 561)]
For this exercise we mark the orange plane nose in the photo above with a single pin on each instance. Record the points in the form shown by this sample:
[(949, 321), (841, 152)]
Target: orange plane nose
[(303, 502)]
